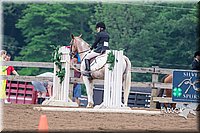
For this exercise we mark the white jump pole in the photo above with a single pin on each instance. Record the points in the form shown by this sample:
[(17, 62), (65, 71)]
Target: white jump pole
[(146, 112)]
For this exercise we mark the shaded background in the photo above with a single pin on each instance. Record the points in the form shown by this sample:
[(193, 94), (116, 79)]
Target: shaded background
[(161, 34)]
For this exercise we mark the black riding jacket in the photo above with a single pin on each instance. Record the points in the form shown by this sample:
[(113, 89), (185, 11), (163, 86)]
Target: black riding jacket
[(98, 45), (196, 64)]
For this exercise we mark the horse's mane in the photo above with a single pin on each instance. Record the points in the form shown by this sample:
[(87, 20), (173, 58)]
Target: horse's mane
[(83, 41)]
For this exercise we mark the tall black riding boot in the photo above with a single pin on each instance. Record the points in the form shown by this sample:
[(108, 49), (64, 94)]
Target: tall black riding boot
[(87, 68), (87, 65)]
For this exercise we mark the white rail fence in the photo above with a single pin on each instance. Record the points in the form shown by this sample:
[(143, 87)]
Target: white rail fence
[(155, 84)]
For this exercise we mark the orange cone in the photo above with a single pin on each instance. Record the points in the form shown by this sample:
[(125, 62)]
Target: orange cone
[(43, 124)]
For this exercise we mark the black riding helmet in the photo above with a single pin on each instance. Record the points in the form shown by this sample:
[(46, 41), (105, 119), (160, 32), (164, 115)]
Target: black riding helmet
[(197, 53), (101, 25)]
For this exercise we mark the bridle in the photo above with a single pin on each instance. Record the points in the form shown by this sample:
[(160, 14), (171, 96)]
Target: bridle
[(72, 54)]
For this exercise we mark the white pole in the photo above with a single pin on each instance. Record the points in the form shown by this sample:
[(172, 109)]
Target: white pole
[(113, 86), (67, 79), (116, 80), (106, 79), (120, 72), (109, 87), (55, 85), (97, 110)]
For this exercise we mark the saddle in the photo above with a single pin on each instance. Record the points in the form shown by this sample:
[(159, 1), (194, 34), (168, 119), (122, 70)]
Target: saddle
[(98, 62)]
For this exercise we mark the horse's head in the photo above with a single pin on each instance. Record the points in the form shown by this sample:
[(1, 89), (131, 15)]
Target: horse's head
[(78, 45), (74, 43)]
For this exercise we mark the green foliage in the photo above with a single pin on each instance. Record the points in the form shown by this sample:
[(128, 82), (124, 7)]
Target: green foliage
[(10, 44), (13, 40), (57, 60), (111, 60), (161, 35), (61, 74), (44, 24), (28, 71), (151, 36)]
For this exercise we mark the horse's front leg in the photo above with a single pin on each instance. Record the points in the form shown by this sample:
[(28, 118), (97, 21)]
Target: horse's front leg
[(89, 90), (89, 87)]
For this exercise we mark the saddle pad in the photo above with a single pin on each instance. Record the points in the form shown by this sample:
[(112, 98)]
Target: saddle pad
[(98, 62)]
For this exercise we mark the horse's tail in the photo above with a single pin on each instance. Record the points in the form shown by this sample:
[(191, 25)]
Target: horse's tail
[(161, 91), (163, 78), (127, 80)]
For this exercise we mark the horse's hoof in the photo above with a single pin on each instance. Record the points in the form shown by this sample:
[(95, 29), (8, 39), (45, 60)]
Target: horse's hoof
[(90, 105)]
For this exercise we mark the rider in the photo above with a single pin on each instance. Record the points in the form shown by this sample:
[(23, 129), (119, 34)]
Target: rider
[(196, 61), (196, 66), (100, 45)]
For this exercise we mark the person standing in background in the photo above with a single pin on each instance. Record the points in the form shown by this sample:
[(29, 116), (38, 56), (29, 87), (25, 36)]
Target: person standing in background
[(196, 61), (77, 86), (196, 66), (3, 82), (10, 69), (43, 86)]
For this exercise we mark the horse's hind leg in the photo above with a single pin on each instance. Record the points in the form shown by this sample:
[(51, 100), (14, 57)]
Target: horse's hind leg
[(127, 81), (89, 90), (160, 94), (169, 94), (126, 95)]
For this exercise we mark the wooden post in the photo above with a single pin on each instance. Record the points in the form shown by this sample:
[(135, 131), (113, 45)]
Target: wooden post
[(154, 89)]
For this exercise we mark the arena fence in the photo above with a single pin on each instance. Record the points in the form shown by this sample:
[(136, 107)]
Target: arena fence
[(154, 84)]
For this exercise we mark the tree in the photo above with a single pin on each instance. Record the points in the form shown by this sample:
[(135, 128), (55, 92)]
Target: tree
[(46, 24), (151, 35), (13, 40)]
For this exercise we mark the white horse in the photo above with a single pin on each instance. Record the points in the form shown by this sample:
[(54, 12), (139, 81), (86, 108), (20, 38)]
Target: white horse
[(78, 45)]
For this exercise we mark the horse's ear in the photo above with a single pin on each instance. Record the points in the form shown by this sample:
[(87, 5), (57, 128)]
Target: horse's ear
[(72, 36), (80, 35)]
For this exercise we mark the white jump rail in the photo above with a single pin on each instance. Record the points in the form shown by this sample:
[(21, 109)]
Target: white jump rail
[(131, 111)]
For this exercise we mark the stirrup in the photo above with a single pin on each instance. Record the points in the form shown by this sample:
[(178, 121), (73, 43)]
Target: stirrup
[(88, 74)]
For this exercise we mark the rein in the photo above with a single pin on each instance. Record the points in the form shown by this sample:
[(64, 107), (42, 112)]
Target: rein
[(84, 51), (74, 41)]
